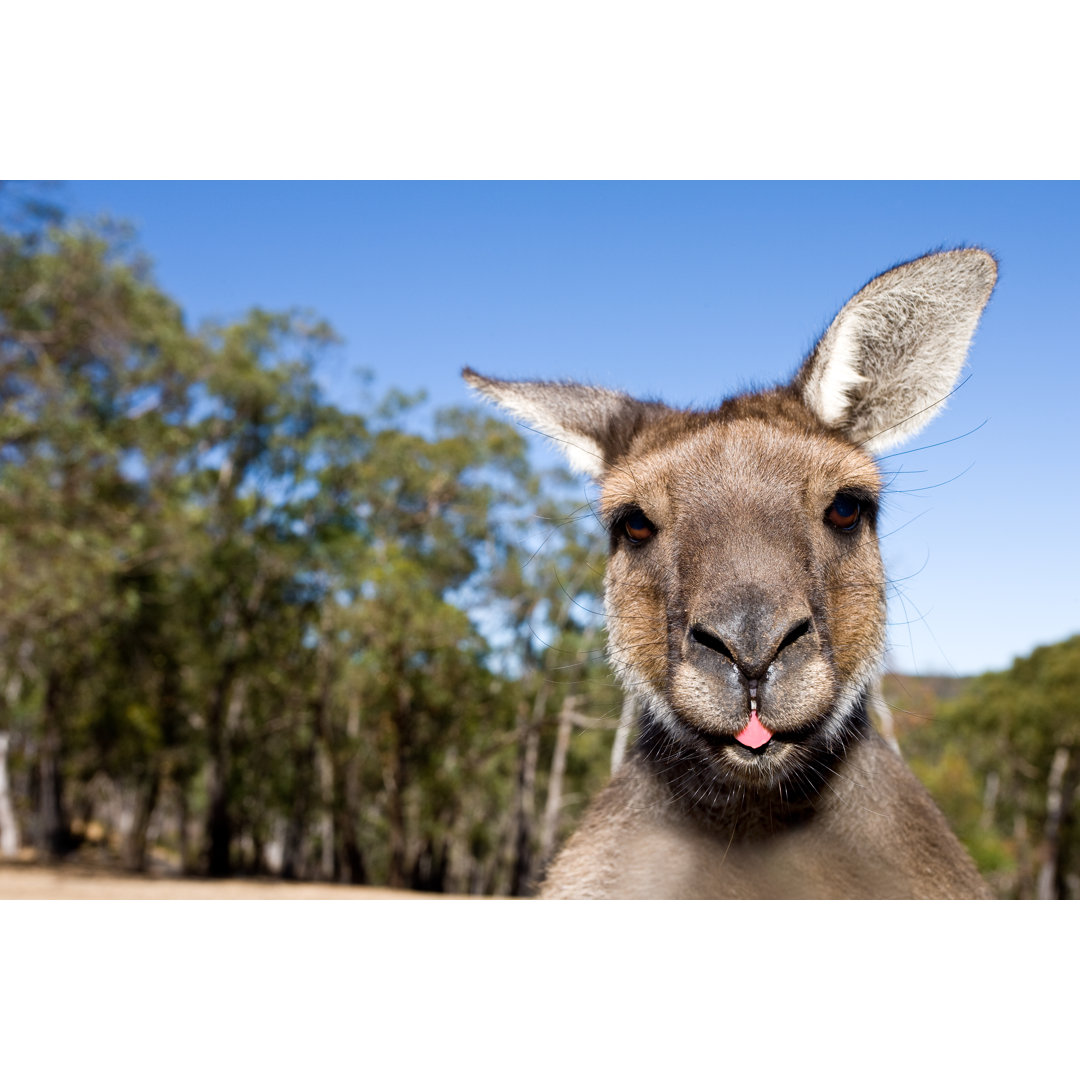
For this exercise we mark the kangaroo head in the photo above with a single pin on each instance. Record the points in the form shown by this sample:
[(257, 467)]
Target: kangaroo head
[(744, 592)]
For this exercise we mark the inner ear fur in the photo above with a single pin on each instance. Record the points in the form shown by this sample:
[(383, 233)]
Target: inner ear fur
[(893, 354), (593, 427)]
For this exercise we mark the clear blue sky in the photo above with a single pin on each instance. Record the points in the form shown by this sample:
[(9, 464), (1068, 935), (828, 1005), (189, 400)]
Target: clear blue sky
[(689, 292)]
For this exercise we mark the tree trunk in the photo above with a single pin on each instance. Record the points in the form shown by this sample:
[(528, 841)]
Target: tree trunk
[(224, 711), (553, 808), (1023, 888), (9, 824), (1049, 871), (990, 798), (351, 866), (146, 797), (521, 877), (9, 828), (183, 825), (881, 715), (326, 765), (293, 852), (219, 827), (325, 768), (394, 784), (54, 837), (622, 732), (430, 868)]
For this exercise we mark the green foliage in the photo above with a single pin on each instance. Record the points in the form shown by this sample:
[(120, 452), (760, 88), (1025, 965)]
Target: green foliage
[(989, 760), (279, 636)]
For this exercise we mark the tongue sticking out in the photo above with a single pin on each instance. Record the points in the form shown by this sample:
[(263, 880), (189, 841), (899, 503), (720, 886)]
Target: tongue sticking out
[(755, 733)]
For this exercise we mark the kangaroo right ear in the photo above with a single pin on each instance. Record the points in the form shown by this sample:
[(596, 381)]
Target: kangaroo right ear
[(593, 426), (890, 358)]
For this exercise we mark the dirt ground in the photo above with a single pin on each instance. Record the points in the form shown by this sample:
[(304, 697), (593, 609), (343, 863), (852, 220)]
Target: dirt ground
[(20, 881)]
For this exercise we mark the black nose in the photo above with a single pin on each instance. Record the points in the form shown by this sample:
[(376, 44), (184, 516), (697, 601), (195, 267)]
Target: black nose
[(749, 643)]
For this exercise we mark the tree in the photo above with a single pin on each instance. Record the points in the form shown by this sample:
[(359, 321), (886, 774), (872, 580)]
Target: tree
[(264, 632), (1019, 731), (92, 360)]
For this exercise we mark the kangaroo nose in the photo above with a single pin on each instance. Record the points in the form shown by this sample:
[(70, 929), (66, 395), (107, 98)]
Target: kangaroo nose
[(750, 646)]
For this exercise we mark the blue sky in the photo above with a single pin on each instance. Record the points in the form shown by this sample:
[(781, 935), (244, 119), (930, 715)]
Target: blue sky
[(689, 292)]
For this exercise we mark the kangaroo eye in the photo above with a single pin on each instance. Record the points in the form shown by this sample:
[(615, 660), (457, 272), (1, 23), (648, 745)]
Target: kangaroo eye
[(638, 528), (844, 513)]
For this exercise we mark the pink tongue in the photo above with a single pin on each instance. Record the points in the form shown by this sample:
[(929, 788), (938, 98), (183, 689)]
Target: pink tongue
[(755, 733)]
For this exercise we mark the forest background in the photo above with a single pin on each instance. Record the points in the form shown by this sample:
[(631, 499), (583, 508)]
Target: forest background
[(248, 632)]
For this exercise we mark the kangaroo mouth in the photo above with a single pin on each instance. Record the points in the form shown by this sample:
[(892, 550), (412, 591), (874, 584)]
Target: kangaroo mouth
[(755, 740), (711, 768), (735, 722)]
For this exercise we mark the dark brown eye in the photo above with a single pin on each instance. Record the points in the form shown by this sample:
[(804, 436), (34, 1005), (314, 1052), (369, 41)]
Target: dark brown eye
[(844, 513), (638, 528)]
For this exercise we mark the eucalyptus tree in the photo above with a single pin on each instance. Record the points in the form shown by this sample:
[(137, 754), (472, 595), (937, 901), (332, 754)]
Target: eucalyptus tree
[(300, 639), (94, 365), (1021, 730)]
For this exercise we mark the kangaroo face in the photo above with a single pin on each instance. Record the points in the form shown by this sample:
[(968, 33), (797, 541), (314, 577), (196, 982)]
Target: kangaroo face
[(745, 594)]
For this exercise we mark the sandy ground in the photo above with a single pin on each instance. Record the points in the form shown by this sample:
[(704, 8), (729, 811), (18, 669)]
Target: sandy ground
[(29, 882)]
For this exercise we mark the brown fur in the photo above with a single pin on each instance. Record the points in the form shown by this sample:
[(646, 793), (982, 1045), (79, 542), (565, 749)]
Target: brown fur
[(737, 586)]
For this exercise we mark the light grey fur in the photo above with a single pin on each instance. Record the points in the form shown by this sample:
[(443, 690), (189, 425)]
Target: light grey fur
[(591, 425), (892, 355)]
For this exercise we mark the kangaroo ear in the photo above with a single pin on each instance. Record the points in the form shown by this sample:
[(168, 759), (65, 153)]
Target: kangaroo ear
[(890, 358), (593, 427)]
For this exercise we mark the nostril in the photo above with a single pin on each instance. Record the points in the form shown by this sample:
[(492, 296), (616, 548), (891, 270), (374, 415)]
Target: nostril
[(754, 653), (711, 641), (793, 635)]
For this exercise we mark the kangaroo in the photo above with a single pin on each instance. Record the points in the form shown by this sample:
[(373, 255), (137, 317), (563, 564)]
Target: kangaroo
[(745, 603)]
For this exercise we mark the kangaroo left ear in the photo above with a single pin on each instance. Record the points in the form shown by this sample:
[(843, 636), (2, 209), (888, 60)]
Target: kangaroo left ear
[(592, 426), (890, 358)]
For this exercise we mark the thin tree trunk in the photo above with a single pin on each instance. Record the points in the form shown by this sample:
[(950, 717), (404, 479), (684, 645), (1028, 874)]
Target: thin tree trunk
[(146, 797), (553, 808), (326, 765), (228, 701), (352, 867), (525, 802), (990, 798), (430, 868), (881, 715), (394, 784), (224, 712), (325, 768), (1023, 888), (622, 733), (9, 827), (53, 831), (293, 860), (292, 847), (1047, 888), (183, 815)]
